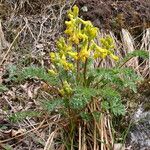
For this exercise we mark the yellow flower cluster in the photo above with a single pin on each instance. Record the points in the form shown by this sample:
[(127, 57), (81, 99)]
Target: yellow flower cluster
[(104, 50), (107, 43), (66, 90), (61, 60), (80, 43)]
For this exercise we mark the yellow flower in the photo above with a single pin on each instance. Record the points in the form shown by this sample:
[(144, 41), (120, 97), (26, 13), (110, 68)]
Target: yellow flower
[(100, 52), (92, 46), (65, 83), (70, 16), (73, 55), (83, 54), (74, 38), (65, 64), (67, 88), (93, 32), (104, 54), (96, 55), (52, 72), (90, 31), (107, 43), (63, 46), (75, 11), (86, 23), (70, 66), (62, 92), (116, 58), (83, 37), (52, 56), (68, 31), (70, 26), (63, 57)]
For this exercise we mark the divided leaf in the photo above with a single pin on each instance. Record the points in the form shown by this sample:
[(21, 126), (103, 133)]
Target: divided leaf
[(37, 72), (3, 88), (112, 101)]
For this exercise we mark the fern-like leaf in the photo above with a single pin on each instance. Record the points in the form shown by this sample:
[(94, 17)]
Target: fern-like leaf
[(52, 105), (37, 72), (3, 88), (82, 96), (20, 116), (119, 77), (112, 101)]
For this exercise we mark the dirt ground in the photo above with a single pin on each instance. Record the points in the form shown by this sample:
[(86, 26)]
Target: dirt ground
[(116, 14), (28, 30)]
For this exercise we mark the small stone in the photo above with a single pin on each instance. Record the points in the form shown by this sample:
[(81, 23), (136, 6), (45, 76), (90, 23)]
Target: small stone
[(119, 146)]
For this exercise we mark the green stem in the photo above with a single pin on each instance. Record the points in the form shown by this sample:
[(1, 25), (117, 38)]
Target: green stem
[(57, 69), (85, 65), (78, 67), (84, 72)]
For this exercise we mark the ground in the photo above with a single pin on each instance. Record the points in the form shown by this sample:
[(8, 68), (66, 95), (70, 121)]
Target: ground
[(28, 30), (117, 14)]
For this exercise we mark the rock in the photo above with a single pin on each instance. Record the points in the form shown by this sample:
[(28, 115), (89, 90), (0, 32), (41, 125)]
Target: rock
[(119, 146), (139, 134)]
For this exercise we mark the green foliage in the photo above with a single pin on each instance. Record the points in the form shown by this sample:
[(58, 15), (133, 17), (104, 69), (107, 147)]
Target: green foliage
[(3, 88), (112, 101), (78, 101), (53, 105), (81, 97), (140, 53), (86, 116), (12, 72), (74, 74), (38, 73), (20, 116), (118, 77), (83, 90)]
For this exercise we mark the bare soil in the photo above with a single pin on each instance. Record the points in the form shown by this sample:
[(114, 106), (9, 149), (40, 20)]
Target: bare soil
[(116, 14)]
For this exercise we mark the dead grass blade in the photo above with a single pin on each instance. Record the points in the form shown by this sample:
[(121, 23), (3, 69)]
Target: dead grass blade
[(50, 143), (9, 49), (146, 46), (80, 137), (3, 43)]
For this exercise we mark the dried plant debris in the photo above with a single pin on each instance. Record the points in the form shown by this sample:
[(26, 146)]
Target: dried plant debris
[(31, 28), (117, 14), (28, 31)]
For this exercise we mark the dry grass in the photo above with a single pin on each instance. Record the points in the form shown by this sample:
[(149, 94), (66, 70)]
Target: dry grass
[(28, 33), (32, 32), (127, 44)]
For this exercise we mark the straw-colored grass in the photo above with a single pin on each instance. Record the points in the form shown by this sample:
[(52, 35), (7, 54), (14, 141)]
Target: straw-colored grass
[(31, 29)]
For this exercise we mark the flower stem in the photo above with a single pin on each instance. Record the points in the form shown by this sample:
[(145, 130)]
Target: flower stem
[(84, 72), (78, 67)]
